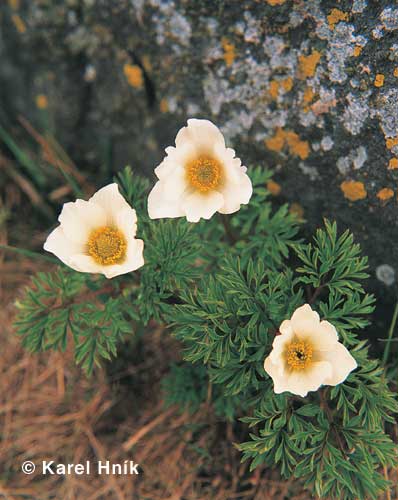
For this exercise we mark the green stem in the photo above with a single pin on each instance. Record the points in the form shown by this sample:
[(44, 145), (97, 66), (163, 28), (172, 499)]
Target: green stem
[(29, 253), (390, 333)]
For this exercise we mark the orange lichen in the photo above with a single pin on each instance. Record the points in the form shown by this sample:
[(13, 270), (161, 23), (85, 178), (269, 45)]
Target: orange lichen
[(18, 23), (379, 80), (273, 187), (229, 51), (287, 83), (274, 89), (336, 16), (296, 146), (307, 98), (319, 107), (14, 4), (395, 72), (163, 105), (308, 64), (134, 75), (391, 142), (353, 190), (276, 142), (146, 63), (357, 50), (275, 2), (41, 101), (393, 164), (297, 210), (385, 194)]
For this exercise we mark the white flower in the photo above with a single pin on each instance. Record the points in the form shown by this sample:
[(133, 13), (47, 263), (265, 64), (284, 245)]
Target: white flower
[(98, 235), (307, 355), (199, 177)]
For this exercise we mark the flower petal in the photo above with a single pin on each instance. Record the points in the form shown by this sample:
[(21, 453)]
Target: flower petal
[(342, 363), (79, 218), (286, 327), (273, 371), (134, 260), (159, 206), (302, 382), (126, 221), (326, 337), (305, 321), (197, 205), (111, 201), (236, 194), (85, 264), (202, 133), (176, 157), (61, 246)]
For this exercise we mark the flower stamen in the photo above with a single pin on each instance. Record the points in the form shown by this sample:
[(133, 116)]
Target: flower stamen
[(204, 173), (107, 246), (299, 355)]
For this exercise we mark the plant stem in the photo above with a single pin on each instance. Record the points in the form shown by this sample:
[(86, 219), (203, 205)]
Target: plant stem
[(390, 333), (329, 414), (29, 253), (228, 229), (316, 293)]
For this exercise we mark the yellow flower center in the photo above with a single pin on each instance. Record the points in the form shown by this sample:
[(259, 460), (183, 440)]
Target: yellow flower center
[(107, 246), (204, 173), (299, 355)]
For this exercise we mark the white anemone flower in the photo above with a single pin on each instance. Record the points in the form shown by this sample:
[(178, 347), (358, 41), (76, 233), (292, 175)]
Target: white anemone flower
[(98, 235), (307, 354), (199, 176)]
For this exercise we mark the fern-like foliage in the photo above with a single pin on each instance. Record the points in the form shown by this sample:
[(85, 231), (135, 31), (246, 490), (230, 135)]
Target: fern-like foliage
[(223, 287), (67, 306)]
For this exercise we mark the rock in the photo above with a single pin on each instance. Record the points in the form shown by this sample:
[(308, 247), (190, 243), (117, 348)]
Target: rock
[(308, 88)]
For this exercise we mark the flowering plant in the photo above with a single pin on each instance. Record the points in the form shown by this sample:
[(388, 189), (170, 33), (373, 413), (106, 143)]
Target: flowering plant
[(272, 323)]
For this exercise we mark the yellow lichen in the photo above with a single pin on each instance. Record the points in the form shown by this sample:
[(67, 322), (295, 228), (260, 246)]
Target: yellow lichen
[(18, 23), (164, 105), (357, 50), (296, 146), (395, 72), (336, 16), (14, 4), (385, 194), (273, 187), (41, 101), (275, 2), (393, 164), (391, 142), (379, 80), (276, 142), (353, 190), (229, 51), (134, 75), (308, 64), (307, 98), (287, 83), (274, 89), (297, 210), (146, 63)]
